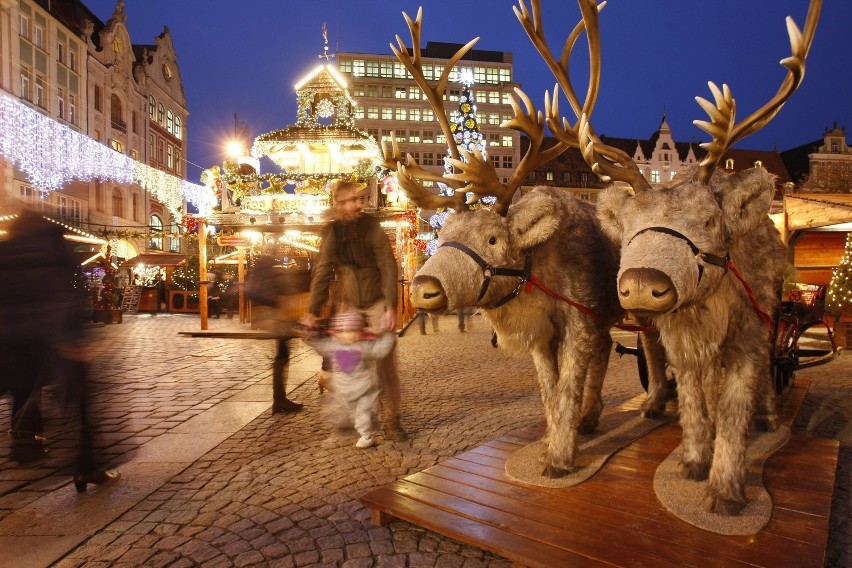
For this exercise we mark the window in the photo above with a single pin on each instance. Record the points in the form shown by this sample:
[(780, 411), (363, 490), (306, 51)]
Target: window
[(133, 122), (399, 71), (441, 139), (156, 233), (60, 103), (134, 206), (387, 113), (373, 112), (494, 118), (414, 136), (117, 203), (72, 108), (494, 97), (386, 134), (491, 76), (454, 95), (70, 210), (345, 65), (505, 75), (170, 122), (73, 57), (358, 68), (428, 115), (26, 83), (479, 74), (758, 164), (428, 136), (24, 26), (729, 164), (414, 93), (359, 90), (372, 69), (400, 135), (358, 113), (152, 106), (174, 237), (549, 176), (507, 141), (495, 160), (134, 154), (655, 176), (414, 114), (116, 145), (428, 71), (835, 146), (161, 151), (373, 91), (60, 51), (386, 69), (400, 93), (387, 92), (38, 36), (493, 139), (39, 97), (161, 113), (152, 148), (29, 195), (566, 177), (507, 161), (178, 163), (98, 102), (428, 159), (170, 157), (401, 114), (178, 128), (583, 179), (116, 113), (374, 132)]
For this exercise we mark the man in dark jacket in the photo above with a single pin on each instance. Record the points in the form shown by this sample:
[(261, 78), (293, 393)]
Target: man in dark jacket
[(357, 251)]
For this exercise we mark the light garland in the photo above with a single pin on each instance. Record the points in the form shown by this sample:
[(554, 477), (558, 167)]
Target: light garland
[(51, 154)]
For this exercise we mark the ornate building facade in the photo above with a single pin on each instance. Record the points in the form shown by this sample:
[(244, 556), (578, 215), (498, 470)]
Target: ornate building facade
[(60, 60)]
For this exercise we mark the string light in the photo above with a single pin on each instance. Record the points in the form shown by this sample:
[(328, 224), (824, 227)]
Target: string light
[(51, 154)]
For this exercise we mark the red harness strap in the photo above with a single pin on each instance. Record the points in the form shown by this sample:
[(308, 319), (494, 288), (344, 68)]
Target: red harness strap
[(763, 315)]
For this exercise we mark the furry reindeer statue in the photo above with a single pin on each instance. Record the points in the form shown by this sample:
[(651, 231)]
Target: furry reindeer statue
[(703, 261), (486, 258)]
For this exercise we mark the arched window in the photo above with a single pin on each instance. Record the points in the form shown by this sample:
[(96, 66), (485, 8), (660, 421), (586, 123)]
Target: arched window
[(117, 202), (729, 164), (156, 233)]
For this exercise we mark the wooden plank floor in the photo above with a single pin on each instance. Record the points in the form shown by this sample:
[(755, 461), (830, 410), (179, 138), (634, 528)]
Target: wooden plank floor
[(614, 518)]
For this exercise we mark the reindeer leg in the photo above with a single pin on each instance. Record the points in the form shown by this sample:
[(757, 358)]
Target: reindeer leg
[(698, 431), (592, 403), (565, 409), (765, 417), (548, 374), (726, 491), (659, 391)]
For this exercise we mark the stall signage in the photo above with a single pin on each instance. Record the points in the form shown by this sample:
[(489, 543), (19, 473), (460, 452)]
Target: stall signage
[(233, 241)]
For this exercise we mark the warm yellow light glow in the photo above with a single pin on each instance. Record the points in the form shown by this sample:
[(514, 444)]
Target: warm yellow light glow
[(255, 236), (235, 149)]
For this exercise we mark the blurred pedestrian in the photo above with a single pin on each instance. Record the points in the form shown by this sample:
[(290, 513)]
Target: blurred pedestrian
[(41, 339), (162, 293), (357, 252), (214, 296), (422, 316), (351, 348), (267, 286)]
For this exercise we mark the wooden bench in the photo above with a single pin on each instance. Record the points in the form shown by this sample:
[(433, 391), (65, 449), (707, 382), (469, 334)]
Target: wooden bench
[(614, 518)]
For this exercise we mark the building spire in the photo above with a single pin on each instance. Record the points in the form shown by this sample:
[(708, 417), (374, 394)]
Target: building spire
[(325, 54)]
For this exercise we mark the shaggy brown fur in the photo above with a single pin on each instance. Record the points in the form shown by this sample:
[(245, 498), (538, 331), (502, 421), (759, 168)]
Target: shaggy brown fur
[(712, 335), (570, 256)]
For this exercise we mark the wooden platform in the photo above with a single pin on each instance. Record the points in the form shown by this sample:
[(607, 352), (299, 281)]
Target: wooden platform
[(614, 518)]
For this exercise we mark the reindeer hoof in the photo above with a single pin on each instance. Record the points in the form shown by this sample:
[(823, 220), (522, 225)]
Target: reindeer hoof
[(724, 507), (653, 414), (556, 472), (765, 423), (696, 471)]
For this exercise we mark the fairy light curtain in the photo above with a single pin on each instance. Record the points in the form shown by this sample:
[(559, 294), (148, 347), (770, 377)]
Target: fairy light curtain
[(50, 154)]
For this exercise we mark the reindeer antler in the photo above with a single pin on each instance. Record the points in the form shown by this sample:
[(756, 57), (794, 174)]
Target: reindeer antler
[(722, 127)]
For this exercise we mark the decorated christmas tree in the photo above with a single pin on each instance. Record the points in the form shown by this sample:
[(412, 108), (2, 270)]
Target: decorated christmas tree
[(108, 297), (839, 296), (465, 130)]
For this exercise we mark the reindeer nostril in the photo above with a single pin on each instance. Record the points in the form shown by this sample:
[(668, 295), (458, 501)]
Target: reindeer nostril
[(430, 295), (659, 293)]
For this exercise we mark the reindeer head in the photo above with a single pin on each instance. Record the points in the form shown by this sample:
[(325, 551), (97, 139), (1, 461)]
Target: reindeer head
[(676, 241)]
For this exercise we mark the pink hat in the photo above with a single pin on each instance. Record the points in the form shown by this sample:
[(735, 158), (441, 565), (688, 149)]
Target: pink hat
[(347, 321)]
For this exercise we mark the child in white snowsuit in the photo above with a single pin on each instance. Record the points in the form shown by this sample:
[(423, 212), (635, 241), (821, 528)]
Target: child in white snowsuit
[(352, 351)]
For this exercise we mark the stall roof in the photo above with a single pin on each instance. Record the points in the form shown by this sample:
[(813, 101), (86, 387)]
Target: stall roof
[(155, 259), (813, 210)]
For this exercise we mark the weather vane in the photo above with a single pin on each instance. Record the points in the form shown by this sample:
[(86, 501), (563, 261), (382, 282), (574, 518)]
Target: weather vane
[(325, 54)]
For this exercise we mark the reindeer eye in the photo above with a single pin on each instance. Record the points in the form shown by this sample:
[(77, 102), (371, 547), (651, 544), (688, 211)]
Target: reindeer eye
[(492, 240)]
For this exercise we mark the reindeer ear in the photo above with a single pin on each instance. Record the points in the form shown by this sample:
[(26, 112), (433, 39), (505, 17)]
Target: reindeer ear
[(610, 203), (745, 199), (533, 220)]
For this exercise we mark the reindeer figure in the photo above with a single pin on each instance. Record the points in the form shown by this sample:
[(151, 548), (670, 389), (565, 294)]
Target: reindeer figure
[(486, 257), (681, 247)]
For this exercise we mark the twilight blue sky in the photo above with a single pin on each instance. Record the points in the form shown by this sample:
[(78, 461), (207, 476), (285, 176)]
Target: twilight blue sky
[(244, 56)]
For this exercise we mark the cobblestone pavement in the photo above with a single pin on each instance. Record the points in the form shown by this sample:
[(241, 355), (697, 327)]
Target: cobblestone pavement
[(280, 490)]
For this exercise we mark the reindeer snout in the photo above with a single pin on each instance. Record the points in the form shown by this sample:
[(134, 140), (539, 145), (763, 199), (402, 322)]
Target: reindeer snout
[(646, 290), (428, 294)]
